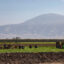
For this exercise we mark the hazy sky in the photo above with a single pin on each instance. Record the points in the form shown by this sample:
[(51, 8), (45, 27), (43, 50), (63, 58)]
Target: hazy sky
[(18, 11)]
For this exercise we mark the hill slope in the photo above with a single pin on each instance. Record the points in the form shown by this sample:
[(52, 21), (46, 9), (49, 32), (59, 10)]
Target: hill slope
[(44, 25)]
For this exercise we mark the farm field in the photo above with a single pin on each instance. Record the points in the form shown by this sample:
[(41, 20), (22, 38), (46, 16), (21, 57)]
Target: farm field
[(27, 42), (34, 50)]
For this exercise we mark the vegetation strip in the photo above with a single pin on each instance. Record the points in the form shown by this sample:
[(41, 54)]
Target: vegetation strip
[(33, 49)]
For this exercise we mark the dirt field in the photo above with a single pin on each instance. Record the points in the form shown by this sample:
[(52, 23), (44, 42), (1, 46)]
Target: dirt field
[(51, 63), (32, 58)]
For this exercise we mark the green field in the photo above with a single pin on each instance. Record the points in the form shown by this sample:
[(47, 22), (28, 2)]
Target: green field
[(34, 50), (28, 42)]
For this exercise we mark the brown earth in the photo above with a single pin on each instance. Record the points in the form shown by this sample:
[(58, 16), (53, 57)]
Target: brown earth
[(32, 58)]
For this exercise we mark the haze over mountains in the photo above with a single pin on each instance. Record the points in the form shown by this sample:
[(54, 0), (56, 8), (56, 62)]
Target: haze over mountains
[(43, 26)]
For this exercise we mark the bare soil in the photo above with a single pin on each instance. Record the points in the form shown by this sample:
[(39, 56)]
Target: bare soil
[(32, 58), (52, 63)]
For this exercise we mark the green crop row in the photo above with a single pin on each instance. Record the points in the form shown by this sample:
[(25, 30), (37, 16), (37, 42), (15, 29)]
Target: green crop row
[(27, 42)]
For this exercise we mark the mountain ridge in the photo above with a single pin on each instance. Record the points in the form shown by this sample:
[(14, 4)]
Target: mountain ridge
[(43, 25)]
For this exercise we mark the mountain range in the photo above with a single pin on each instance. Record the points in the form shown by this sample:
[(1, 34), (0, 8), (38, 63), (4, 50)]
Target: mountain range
[(43, 26)]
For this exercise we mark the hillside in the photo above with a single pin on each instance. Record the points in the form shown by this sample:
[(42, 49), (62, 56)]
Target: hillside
[(47, 25)]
